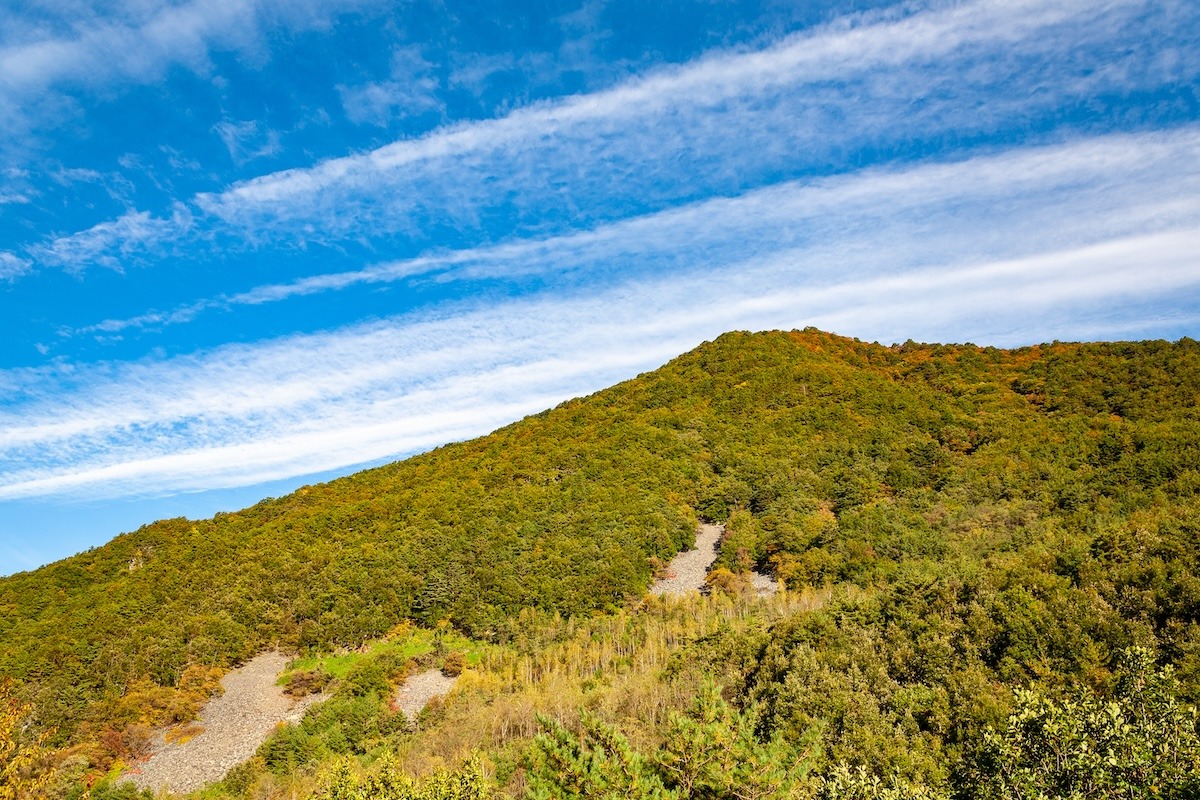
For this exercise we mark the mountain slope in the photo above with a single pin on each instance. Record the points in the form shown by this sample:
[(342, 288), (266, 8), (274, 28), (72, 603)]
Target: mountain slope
[(833, 461)]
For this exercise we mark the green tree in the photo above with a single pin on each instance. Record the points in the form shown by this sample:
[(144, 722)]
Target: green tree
[(391, 783), (712, 752), (709, 753), (1140, 744), (855, 783), (595, 764)]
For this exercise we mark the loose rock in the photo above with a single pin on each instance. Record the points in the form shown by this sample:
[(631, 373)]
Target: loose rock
[(417, 691), (687, 570), (234, 725)]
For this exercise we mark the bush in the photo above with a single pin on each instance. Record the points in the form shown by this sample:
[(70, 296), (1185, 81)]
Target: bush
[(722, 580), (306, 682), (454, 664), (1140, 744)]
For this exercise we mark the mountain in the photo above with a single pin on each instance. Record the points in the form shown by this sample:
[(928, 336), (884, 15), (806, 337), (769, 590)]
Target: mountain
[(983, 519)]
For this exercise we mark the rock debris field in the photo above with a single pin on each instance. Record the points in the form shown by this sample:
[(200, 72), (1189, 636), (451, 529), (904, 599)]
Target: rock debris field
[(234, 724), (418, 690), (241, 719), (687, 571)]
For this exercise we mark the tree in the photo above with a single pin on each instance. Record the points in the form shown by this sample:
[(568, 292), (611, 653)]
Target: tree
[(390, 783), (855, 783), (1140, 744), (596, 764), (712, 752), (19, 752)]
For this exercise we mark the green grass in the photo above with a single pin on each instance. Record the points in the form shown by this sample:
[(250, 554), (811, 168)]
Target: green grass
[(412, 642)]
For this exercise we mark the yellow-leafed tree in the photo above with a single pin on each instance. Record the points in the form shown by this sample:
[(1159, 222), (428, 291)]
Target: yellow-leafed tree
[(18, 757)]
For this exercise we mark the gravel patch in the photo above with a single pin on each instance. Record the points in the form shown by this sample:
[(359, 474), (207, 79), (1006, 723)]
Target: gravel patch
[(416, 692), (235, 724), (764, 585), (687, 570)]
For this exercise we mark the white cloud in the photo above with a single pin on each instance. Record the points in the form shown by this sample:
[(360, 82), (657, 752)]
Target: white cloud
[(137, 48), (109, 243), (47, 57), (996, 205), (247, 140), (240, 415), (844, 82), (728, 122), (139, 41), (13, 266), (411, 90)]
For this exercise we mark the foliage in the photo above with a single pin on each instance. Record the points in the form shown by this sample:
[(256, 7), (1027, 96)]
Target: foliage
[(709, 753), (714, 752), (390, 783), (301, 683), (973, 520), (454, 663), (1142, 743), (19, 752), (855, 783), (596, 764)]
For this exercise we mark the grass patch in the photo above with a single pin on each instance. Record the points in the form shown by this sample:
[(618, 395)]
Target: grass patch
[(404, 642)]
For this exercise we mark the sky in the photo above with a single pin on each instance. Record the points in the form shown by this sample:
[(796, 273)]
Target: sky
[(247, 245)]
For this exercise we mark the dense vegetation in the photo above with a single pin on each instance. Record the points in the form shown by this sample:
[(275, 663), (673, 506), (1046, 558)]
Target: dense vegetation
[(953, 523)]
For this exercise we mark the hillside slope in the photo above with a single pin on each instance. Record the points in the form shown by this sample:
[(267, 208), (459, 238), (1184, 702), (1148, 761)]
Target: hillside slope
[(832, 462)]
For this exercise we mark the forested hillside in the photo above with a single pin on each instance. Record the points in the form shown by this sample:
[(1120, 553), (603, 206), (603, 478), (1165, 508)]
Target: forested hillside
[(952, 523)]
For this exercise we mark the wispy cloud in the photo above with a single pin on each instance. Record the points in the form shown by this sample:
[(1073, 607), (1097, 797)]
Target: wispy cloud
[(42, 62), (733, 115), (930, 213), (728, 122), (137, 48), (244, 414), (132, 234), (411, 90), (13, 266), (247, 140)]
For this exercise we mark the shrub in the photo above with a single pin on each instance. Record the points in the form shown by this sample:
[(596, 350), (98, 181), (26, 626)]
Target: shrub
[(454, 664), (306, 682)]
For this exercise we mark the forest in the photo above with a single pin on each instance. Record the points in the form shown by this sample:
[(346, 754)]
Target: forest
[(989, 561)]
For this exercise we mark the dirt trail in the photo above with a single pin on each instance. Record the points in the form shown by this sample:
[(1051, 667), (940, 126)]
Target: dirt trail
[(417, 691), (235, 724)]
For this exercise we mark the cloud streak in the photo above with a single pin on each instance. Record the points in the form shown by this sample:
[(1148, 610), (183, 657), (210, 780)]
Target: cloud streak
[(813, 103), (241, 415), (997, 204), (39, 69)]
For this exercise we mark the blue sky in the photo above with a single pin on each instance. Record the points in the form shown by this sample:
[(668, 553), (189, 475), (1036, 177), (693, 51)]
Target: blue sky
[(250, 245)]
